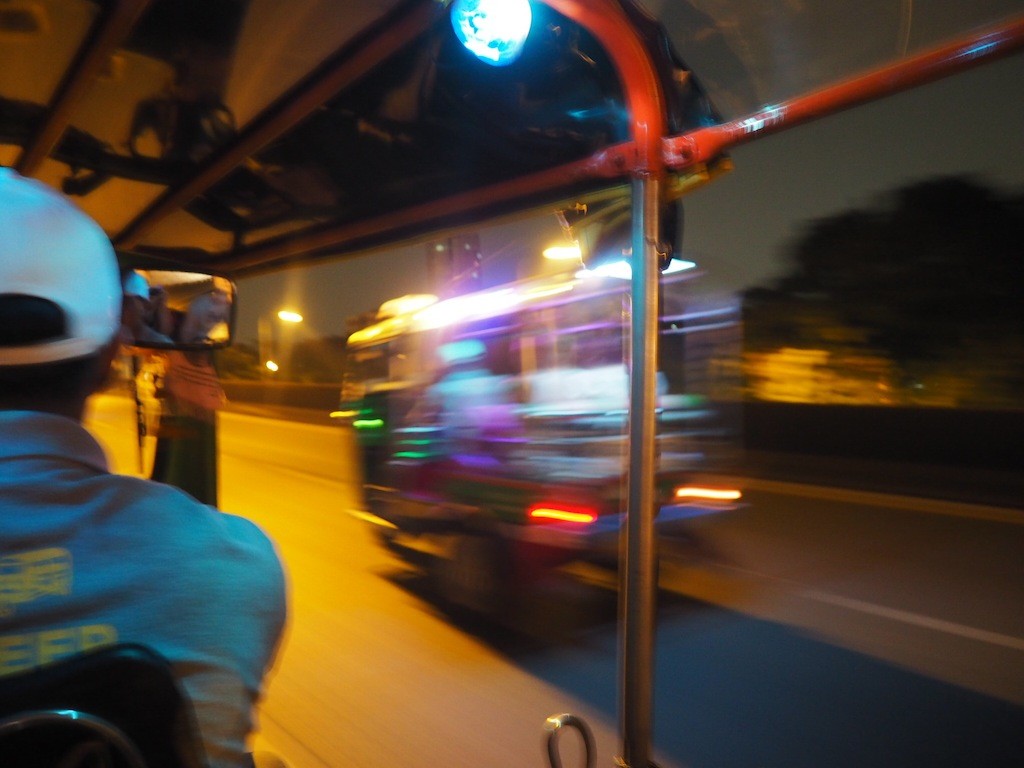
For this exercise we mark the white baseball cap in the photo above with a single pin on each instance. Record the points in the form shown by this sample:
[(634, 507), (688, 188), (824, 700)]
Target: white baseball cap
[(51, 250)]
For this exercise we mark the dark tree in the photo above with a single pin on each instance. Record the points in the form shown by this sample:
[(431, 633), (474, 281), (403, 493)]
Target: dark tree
[(239, 361), (935, 272), (318, 360)]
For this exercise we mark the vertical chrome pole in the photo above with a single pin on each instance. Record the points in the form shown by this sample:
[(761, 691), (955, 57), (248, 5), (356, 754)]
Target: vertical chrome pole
[(639, 582)]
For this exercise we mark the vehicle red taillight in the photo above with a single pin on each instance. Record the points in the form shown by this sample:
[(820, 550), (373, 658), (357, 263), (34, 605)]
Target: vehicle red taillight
[(561, 513)]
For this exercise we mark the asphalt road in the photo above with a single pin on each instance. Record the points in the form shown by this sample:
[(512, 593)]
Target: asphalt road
[(814, 627)]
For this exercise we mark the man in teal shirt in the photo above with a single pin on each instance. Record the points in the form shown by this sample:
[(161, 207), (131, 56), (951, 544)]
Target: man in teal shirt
[(89, 558)]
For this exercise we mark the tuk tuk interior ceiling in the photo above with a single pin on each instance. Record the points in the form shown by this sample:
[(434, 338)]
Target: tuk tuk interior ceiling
[(223, 130)]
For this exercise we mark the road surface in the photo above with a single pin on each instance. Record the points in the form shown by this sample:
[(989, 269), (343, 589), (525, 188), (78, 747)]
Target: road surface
[(813, 627)]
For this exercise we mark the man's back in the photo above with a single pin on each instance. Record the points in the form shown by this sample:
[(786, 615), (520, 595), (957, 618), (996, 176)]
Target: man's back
[(88, 558)]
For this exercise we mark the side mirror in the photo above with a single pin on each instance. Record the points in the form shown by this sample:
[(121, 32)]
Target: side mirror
[(171, 306)]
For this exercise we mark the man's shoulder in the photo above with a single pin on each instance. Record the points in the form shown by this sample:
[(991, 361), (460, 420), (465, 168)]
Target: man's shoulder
[(187, 521), (227, 555)]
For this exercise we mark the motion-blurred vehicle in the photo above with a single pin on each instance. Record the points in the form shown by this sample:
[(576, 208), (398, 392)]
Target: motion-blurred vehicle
[(494, 424)]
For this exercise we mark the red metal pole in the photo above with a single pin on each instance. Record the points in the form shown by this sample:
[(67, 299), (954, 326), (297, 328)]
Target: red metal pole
[(638, 572), (644, 101), (704, 144)]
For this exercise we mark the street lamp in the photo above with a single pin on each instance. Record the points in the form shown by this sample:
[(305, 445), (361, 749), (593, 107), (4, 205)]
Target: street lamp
[(265, 335)]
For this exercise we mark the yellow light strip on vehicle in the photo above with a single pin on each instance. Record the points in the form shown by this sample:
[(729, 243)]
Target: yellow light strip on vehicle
[(696, 492)]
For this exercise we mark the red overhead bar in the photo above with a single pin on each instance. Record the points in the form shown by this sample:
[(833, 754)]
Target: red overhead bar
[(704, 144)]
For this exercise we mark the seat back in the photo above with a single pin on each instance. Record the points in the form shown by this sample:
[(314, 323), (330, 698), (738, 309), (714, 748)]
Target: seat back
[(116, 707)]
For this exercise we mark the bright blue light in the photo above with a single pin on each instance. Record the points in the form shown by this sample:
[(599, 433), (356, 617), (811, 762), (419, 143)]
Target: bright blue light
[(493, 30)]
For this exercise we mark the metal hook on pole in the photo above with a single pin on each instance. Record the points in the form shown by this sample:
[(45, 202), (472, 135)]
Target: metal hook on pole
[(555, 724)]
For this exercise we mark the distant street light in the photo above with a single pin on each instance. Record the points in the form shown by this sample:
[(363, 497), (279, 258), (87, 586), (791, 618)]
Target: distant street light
[(266, 337)]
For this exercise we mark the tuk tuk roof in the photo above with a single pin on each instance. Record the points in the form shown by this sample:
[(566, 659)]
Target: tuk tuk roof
[(249, 135)]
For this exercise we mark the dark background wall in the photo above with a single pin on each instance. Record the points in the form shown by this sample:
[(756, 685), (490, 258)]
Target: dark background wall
[(993, 439)]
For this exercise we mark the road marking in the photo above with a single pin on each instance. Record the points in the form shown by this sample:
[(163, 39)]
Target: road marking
[(893, 501), (719, 591), (972, 633)]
